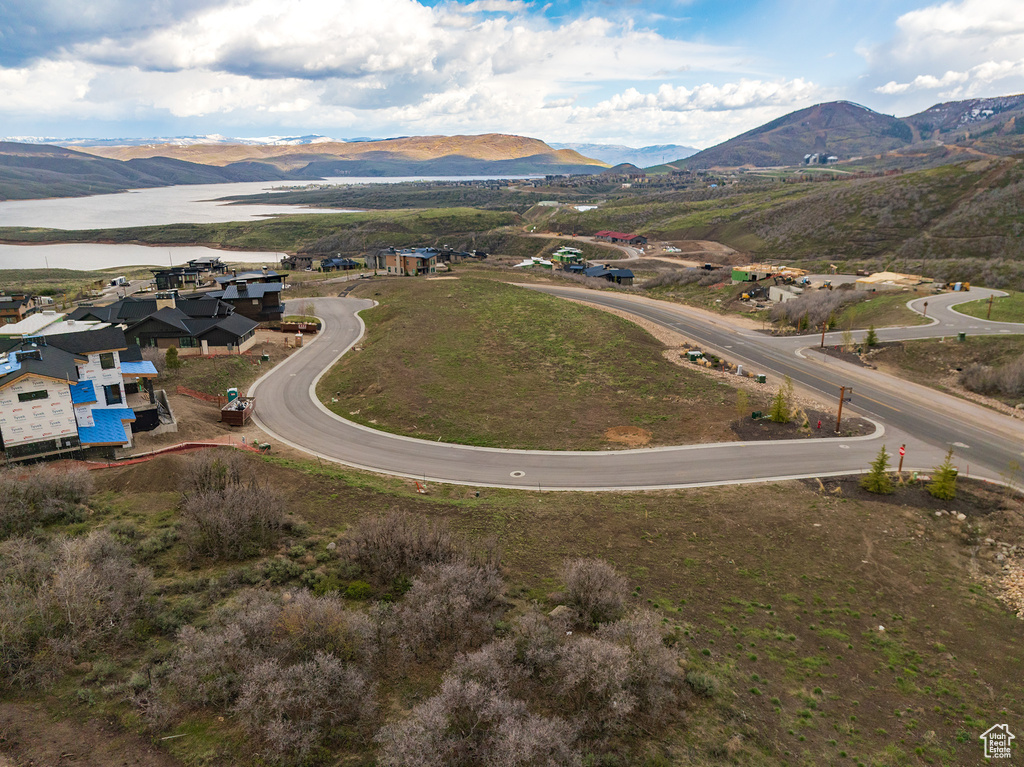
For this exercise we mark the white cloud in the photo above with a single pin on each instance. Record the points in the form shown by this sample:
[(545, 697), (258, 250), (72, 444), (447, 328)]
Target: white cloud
[(953, 50)]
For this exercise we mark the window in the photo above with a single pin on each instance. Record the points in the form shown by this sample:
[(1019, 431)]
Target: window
[(107, 360), (28, 396), (187, 342), (112, 394)]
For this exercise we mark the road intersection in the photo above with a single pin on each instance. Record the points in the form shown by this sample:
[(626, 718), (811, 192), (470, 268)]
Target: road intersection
[(986, 443)]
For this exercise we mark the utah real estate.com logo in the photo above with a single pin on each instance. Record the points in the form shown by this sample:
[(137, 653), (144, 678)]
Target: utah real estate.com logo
[(997, 741)]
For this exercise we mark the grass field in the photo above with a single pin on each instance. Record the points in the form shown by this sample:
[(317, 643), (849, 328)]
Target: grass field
[(881, 311), (820, 625), (1008, 308), (480, 362)]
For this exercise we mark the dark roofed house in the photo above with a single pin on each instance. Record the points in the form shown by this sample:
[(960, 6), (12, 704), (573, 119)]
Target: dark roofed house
[(264, 275), (618, 276), (16, 306), (208, 264), (260, 301), (299, 262), (338, 265), (177, 277), (201, 325)]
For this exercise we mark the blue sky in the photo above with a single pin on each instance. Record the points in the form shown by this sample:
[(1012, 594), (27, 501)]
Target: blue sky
[(635, 72)]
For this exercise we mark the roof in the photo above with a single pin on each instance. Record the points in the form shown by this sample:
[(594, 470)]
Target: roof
[(418, 253), (52, 363), (236, 324), (140, 369), (83, 392), (602, 271), (249, 290), (133, 353), (228, 278), (31, 325), (616, 235), (109, 427), (105, 340)]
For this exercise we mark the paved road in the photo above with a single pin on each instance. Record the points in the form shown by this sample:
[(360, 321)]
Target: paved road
[(288, 409)]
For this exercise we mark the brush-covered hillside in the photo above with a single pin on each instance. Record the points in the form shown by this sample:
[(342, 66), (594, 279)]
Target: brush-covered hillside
[(961, 220)]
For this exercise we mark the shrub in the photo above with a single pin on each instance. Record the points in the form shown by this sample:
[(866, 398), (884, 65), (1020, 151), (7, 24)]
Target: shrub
[(652, 671), (702, 683), (292, 709), (61, 600), (400, 544), (227, 512), (468, 724), (943, 484), (877, 480), (41, 496), (594, 590), (780, 408), (450, 607), (171, 360), (871, 339), (812, 309), (1006, 380)]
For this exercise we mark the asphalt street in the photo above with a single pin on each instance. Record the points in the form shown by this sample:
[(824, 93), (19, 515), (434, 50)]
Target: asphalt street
[(928, 422)]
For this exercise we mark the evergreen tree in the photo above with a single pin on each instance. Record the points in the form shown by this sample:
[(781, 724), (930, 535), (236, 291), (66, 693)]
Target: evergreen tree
[(872, 337), (943, 484), (877, 480), (173, 363), (780, 408)]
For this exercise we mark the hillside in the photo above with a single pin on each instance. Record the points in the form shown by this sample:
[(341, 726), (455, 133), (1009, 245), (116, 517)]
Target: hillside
[(437, 150), (642, 157), (957, 220), (971, 119), (30, 171), (837, 128)]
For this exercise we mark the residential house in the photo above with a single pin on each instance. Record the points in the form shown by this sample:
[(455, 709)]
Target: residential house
[(411, 262), (260, 301), (16, 305), (65, 392), (204, 325), (300, 262), (178, 278), (339, 265), (535, 261), (618, 276), (566, 257), (621, 238), (208, 265), (263, 275)]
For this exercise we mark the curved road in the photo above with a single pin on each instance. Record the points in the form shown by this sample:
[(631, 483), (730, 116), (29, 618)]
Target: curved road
[(288, 409)]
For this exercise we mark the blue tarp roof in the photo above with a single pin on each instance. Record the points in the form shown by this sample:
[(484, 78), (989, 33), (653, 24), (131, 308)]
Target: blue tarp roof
[(83, 392), (141, 368), (109, 428)]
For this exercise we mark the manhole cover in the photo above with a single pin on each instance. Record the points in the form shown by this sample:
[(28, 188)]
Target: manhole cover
[(517, 474)]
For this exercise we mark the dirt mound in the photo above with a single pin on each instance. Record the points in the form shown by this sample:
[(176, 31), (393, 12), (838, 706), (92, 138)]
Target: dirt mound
[(160, 475), (633, 436)]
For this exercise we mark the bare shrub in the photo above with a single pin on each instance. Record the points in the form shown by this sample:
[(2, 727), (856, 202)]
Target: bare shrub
[(593, 679), (234, 523), (400, 544), (682, 277), (450, 607), (292, 709), (308, 625), (41, 496), (215, 470), (1005, 380), (157, 356), (653, 676), (594, 590), (61, 600), (468, 724), (814, 308)]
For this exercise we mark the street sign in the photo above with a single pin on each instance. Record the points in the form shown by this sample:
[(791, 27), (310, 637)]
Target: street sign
[(903, 452)]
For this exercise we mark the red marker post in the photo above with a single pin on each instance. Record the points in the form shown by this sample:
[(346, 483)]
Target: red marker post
[(903, 452)]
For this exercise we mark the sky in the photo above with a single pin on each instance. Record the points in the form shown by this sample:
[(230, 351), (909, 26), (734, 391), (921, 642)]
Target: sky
[(634, 72)]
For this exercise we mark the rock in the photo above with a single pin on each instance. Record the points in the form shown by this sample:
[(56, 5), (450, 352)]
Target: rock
[(332, 546), (1019, 406), (990, 541), (1000, 557), (938, 513), (961, 517)]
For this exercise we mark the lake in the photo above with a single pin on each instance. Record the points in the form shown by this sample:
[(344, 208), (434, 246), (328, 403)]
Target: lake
[(186, 204)]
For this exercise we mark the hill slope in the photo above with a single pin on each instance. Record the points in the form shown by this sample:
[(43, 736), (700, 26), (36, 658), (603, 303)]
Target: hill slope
[(491, 147), (840, 128)]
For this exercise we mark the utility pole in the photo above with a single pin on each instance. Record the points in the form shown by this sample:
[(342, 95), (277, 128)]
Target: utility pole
[(990, 299), (824, 327), (839, 415)]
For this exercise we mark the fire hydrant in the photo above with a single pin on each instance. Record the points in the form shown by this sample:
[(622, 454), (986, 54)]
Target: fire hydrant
[(819, 423)]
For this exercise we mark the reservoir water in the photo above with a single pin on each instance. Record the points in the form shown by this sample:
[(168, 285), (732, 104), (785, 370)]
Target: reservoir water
[(186, 204)]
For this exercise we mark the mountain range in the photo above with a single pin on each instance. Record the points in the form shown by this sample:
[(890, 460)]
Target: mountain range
[(846, 131), (642, 157), (40, 170)]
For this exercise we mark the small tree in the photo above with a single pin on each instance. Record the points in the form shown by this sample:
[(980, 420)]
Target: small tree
[(172, 361), (943, 484), (877, 480), (742, 404), (872, 337), (780, 407)]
